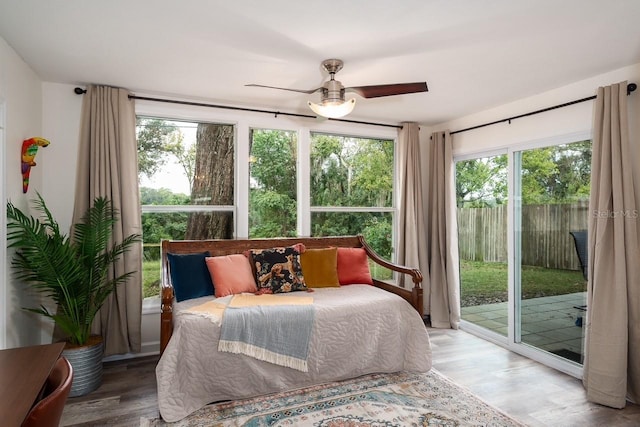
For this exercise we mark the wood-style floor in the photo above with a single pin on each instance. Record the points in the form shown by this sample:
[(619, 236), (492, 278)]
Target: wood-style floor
[(527, 390), (532, 393)]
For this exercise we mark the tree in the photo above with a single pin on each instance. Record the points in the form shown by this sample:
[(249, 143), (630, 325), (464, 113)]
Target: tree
[(186, 156), (353, 172), (213, 182), (272, 196), (481, 182), (556, 174), (152, 137), (372, 181), (329, 171)]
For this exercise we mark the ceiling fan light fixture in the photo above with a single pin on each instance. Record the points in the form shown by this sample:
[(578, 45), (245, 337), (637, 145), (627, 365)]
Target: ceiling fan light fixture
[(333, 110)]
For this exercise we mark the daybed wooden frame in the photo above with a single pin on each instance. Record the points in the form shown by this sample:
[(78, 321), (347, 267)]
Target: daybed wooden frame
[(227, 247)]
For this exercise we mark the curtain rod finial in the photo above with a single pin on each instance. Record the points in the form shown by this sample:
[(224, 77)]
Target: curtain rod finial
[(631, 87), (79, 91)]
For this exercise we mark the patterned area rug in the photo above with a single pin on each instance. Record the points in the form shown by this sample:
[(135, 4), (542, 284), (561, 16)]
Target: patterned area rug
[(378, 400)]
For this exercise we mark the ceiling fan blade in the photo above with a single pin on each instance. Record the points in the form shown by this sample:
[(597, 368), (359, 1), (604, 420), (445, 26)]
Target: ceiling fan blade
[(376, 91), (284, 88)]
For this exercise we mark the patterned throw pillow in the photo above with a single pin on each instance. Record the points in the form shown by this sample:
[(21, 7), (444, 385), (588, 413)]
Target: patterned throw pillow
[(278, 270)]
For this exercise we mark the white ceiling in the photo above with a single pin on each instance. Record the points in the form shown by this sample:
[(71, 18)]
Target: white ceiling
[(474, 54)]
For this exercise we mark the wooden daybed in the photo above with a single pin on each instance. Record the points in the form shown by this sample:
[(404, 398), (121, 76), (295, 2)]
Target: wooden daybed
[(357, 329), (227, 247)]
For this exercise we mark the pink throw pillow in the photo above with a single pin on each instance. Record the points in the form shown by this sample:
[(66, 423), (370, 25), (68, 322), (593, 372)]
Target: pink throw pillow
[(353, 267), (231, 274)]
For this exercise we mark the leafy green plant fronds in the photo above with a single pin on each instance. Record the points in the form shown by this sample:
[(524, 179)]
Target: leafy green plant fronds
[(73, 272)]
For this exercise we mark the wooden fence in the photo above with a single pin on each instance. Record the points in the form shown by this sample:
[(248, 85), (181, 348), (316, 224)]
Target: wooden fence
[(546, 242)]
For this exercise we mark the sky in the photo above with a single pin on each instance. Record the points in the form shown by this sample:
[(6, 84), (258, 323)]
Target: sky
[(171, 175)]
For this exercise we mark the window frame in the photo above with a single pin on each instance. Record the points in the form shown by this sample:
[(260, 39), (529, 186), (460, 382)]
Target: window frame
[(243, 122), (393, 209), (510, 341)]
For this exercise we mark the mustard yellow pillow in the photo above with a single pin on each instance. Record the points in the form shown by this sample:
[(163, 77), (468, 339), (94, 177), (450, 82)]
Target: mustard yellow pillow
[(320, 267)]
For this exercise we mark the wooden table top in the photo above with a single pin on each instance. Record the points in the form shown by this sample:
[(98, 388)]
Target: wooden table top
[(23, 372)]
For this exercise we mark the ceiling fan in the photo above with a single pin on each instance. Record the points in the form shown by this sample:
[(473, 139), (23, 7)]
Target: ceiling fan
[(333, 103)]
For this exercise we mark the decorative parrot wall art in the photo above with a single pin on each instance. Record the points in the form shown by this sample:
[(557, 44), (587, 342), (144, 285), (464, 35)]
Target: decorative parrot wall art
[(27, 156)]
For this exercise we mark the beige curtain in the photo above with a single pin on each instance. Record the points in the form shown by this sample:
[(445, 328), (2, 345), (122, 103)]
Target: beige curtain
[(612, 348), (107, 166), (443, 298), (412, 243)]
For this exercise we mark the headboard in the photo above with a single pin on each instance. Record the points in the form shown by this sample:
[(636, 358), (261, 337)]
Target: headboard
[(227, 247)]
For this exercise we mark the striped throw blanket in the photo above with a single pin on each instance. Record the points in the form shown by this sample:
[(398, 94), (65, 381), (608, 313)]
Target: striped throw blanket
[(276, 329)]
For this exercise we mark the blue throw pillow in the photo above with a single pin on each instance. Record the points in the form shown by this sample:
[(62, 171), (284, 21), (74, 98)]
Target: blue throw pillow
[(190, 276)]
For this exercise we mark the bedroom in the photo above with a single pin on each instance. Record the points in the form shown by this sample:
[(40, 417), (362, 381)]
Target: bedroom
[(43, 103)]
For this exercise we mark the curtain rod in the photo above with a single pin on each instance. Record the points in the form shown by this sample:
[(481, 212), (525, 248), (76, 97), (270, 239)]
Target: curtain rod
[(630, 88), (80, 91)]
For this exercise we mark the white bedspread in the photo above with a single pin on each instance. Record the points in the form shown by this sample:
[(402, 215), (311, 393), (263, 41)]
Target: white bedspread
[(359, 329)]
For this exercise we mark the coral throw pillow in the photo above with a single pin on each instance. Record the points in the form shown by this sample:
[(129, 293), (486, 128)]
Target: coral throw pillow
[(353, 267), (232, 274), (320, 267), (278, 270)]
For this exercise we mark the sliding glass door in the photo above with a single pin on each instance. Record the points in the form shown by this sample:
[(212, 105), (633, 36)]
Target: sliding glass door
[(481, 193), (551, 215), (522, 221)]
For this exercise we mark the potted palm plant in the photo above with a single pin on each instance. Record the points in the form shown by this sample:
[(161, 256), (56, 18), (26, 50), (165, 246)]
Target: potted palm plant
[(73, 271)]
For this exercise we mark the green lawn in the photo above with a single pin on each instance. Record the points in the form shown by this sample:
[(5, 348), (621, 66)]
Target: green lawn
[(150, 278), (482, 282)]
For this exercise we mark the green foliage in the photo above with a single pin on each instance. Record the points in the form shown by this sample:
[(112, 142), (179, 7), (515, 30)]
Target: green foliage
[(351, 171), (72, 272), (186, 156), (481, 182), (159, 139), (159, 226), (166, 225), (378, 234), (557, 174), (153, 144), (273, 202), (162, 196)]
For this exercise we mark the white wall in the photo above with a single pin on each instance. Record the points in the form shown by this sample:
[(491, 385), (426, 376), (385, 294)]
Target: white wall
[(61, 109), (576, 118), (564, 121), (21, 93)]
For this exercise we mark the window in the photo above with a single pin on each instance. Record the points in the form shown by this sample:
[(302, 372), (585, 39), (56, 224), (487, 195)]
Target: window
[(351, 190), (196, 183), (186, 173), (272, 183)]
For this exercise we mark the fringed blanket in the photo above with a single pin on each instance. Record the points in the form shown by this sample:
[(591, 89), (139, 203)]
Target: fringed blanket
[(275, 329)]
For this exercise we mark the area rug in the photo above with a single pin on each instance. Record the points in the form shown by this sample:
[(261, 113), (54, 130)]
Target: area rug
[(378, 400)]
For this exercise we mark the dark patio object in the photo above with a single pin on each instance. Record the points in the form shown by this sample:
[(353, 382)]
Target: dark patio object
[(580, 240)]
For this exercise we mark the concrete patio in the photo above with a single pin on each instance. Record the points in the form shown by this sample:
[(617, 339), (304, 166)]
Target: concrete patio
[(548, 323)]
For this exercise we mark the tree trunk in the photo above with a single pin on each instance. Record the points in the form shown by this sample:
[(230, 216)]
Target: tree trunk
[(213, 182)]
